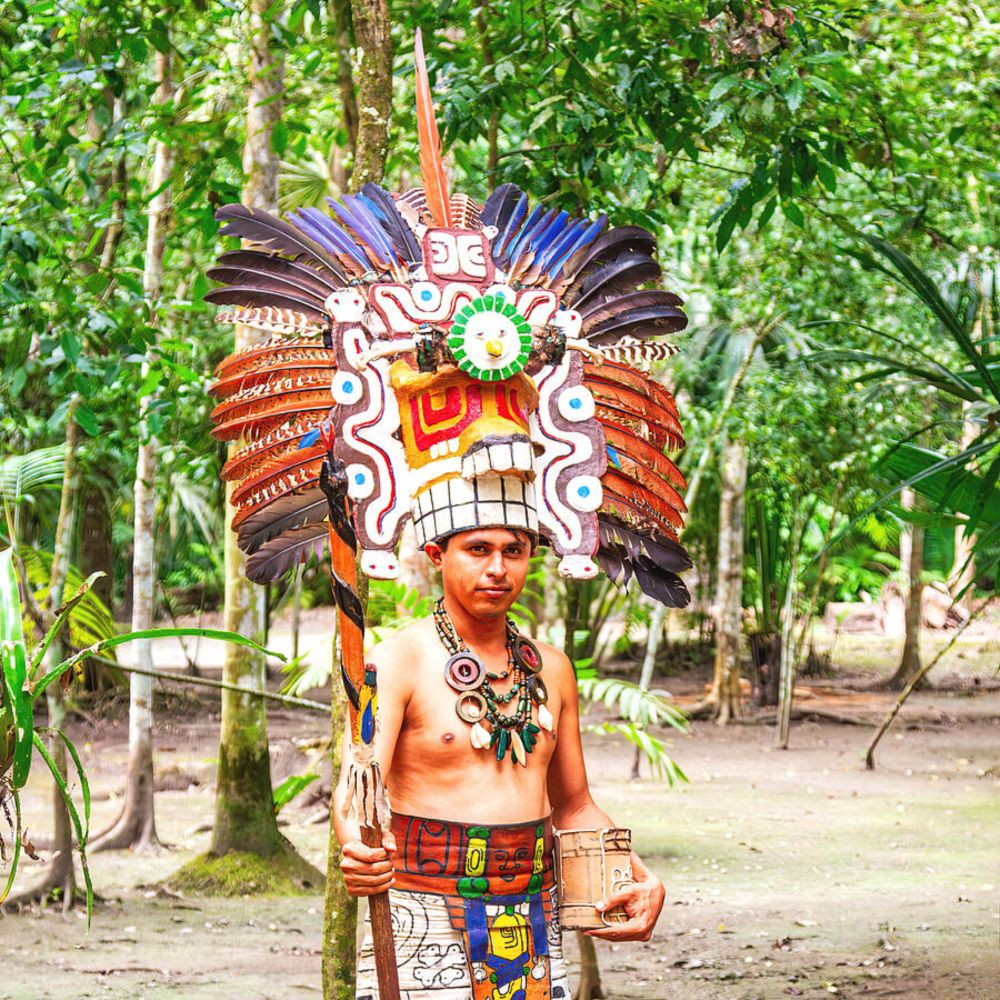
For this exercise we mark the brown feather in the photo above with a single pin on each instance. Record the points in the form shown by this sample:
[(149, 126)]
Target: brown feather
[(639, 451), (268, 448), (295, 471), (638, 506)]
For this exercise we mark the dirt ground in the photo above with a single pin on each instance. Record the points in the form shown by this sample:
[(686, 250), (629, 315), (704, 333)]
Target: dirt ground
[(789, 873)]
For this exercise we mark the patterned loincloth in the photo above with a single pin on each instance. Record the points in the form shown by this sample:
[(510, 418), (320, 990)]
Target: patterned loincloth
[(473, 914)]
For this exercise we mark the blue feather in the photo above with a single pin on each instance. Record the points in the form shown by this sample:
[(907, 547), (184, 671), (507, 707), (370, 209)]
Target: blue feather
[(513, 225), (308, 440), (590, 234), (325, 231), (529, 223), (353, 213), (538, 219), (541, 242), (613, 455)]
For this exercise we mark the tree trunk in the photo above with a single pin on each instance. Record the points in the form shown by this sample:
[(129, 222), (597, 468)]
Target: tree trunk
[(723, 702), (371, 30), (911, 556), (345, 76), (61, 875), (963, 569), (789, 659), (589, 987), (135, 828), (244, 814), (648, 664)]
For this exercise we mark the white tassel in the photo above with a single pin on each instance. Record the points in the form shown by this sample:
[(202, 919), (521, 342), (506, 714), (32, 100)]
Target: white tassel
[(545, 719), (367, 799)]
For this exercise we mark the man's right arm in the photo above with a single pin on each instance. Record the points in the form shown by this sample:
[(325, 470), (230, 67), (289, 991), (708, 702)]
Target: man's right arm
[(369, 870)]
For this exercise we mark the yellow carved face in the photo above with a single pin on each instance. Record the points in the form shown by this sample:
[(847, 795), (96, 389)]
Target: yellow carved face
[(454, 425)]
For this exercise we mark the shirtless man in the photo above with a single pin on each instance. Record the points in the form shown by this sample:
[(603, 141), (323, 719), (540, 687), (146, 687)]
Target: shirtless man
[(447, 793)]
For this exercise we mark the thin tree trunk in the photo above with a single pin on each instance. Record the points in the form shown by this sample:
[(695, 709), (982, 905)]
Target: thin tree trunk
[(789, 661), (911, 552), (135, 828), (371, 30), (244, 814), (723, 701), (345, 76), (648, 664), (589, 986), (61, 875), (963, 569)]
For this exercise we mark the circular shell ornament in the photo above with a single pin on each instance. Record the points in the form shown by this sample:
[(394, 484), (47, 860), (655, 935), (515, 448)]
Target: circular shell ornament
[(538, 691), (464, 671), (489, 339), (526, 655), (471, 707)]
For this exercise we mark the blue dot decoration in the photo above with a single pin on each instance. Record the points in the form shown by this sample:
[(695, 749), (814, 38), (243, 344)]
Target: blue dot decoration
[(576, 403), (359, 478), (584, 491), (426, 295)]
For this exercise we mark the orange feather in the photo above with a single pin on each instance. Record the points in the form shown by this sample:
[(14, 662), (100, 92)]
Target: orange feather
[(431, 166)]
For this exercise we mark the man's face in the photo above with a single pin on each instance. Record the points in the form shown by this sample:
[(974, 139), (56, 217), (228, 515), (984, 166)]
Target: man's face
[(483, 569)]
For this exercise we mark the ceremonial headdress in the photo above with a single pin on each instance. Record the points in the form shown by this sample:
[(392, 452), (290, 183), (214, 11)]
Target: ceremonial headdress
[(454, 364)]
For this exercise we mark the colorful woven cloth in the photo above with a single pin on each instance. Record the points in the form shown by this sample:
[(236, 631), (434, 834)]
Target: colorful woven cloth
[(473, 914)]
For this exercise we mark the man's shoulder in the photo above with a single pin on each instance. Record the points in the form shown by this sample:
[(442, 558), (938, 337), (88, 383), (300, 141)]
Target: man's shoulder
[(554, 660), (403, 646)]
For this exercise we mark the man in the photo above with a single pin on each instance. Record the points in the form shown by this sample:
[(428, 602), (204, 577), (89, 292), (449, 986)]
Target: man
[(466, 369), (433, 772)]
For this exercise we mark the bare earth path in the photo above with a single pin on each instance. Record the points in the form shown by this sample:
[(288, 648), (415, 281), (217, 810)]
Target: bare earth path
[(789, 873)]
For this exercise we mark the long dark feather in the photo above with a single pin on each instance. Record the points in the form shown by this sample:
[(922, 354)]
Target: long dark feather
[(663, 551), (291, 270), (499, 206), (640, 324), (266, 281), (276, 557), (598, 310), (271, 520), (250, 296), (403, 238), (569, 261), (268, 230), (613, 243), (619, 275)]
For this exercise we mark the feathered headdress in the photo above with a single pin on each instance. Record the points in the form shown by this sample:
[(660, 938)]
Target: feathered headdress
[(452, 364)]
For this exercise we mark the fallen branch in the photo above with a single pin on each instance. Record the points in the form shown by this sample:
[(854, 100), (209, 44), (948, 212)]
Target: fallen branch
[(284, 699), (798, 714), (908, 690)]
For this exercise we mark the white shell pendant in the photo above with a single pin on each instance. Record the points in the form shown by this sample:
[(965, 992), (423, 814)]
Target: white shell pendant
[(517, 750), (480, 737), (545, 719)]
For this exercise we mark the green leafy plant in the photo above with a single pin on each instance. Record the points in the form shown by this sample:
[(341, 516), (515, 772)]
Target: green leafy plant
[(637, 710), (24, 683)]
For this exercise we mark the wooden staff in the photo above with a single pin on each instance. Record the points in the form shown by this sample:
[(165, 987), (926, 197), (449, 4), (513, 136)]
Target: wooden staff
[(362, 698)]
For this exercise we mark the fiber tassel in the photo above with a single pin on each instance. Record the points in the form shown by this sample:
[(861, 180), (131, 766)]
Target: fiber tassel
[(367, 799)]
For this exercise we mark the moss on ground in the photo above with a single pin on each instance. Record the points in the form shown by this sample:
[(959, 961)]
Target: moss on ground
[(237, 873)]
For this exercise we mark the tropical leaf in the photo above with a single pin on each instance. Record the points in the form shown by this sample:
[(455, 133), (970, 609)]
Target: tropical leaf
[(947, 483), (290, 787), (633, 703), (21, 475)]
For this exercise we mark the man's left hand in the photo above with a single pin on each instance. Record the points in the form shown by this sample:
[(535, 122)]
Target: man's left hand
[(643, 901)]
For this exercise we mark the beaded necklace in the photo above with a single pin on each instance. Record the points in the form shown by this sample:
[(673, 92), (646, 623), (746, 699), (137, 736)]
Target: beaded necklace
[(479, 704)]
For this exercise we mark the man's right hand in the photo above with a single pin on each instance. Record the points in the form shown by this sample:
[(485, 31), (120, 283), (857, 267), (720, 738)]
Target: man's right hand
[(367, 870)]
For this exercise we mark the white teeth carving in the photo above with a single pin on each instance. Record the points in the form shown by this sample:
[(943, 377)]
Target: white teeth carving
[(435, 451), (453, 445), (500, 457), (469, 467), (482, 461), (522, 456)]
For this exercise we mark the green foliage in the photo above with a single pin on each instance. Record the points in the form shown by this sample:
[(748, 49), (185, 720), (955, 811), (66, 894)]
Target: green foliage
[(293, 785)]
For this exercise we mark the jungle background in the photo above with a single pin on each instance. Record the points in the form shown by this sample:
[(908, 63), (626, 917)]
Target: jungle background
[(821, 182)]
